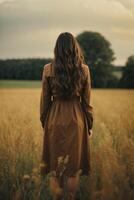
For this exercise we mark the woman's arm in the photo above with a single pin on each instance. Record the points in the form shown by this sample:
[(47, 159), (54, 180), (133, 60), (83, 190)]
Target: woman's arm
[(86, 93), (45, 98)]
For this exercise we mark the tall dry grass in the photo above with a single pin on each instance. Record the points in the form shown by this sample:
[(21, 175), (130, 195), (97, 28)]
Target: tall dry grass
[(112, 146)]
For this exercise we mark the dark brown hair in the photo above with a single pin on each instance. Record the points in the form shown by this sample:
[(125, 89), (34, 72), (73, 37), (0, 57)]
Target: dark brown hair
[(67, 64)]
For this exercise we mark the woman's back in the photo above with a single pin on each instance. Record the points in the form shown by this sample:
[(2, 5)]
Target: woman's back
[(49, 72), (66, 125)]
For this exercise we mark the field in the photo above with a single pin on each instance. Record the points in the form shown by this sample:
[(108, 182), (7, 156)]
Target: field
[(112, 144)]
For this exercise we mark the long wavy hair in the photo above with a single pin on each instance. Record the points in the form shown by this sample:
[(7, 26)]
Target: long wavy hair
[(67, 65)]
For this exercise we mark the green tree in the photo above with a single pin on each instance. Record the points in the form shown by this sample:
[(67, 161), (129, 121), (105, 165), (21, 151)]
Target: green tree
[(98, 56), (127, 80)]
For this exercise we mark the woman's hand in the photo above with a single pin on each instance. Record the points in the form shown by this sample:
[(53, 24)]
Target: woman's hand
[(90, 133)]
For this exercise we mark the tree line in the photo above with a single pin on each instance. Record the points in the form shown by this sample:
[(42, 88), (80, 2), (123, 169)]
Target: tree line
[(22, 69), (98, 56)]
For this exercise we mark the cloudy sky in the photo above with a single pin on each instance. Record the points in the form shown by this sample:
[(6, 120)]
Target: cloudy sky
[(29, 28)]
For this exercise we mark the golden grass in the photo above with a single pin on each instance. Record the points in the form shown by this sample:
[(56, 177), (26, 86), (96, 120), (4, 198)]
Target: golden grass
[(112, 143)]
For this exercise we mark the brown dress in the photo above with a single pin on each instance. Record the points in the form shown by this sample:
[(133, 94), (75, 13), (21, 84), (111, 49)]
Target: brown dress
[(66, 125)]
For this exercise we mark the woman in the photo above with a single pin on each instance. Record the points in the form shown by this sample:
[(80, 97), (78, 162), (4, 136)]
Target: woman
[(66, 114)]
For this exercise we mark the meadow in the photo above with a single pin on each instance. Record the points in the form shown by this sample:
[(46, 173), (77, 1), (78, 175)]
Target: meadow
[(111, 145)]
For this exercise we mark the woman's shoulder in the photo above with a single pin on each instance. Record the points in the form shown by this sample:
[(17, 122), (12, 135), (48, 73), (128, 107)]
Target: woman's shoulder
[(85, 68), (47, 69)]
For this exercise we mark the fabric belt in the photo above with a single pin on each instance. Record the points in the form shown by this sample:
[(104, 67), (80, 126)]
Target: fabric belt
[(76, 97)]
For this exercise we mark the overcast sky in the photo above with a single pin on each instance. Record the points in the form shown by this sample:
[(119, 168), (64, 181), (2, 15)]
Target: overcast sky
[(29, 28)]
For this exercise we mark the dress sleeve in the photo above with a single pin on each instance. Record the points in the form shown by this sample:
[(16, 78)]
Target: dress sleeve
[(86, 93), (45, 98)]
